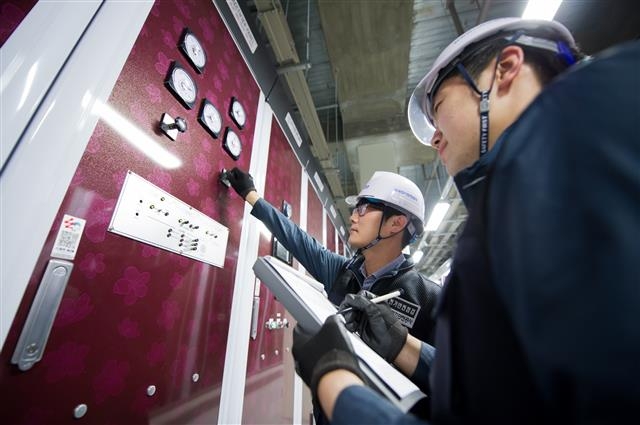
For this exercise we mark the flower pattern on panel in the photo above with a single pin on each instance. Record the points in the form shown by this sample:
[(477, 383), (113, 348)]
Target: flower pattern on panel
[(176, 281), (129, 328), (98, 218), (202, 165), (92, 264), (133, 285), (154, 93), (169, 315), (193, 187)]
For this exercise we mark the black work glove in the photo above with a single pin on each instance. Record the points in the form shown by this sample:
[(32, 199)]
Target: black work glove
[(327, 350), (241, 182), (377, 325), (353, 317)]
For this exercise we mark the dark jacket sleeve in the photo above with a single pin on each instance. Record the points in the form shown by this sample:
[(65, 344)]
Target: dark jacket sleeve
[(420, 376), (369, 408), (564, 237), (322, 264)]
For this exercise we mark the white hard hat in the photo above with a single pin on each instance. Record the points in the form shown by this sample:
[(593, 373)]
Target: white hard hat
[(419, 108), (395, 191)]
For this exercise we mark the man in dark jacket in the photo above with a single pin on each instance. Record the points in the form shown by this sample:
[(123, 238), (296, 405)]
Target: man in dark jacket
[(388, 214), (536, 320)]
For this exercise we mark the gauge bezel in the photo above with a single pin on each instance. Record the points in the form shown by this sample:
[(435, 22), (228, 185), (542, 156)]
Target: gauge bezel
[(171, 84)]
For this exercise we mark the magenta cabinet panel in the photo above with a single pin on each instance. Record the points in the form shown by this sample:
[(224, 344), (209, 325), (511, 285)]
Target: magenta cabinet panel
[(314, 214), (331, 236), (268, 392), (12, 13), (134, 317)]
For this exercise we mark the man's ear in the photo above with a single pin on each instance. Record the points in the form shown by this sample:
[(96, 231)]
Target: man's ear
[(398, 222), (509, 66)]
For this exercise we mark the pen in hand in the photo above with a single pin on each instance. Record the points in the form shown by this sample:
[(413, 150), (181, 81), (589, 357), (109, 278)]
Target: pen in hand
[(375, 300)]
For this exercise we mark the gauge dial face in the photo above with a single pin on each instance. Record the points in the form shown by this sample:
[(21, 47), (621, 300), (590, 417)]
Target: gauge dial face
[(210, 118), (193, 50), (182, 85), (232, 144), (236, 111)]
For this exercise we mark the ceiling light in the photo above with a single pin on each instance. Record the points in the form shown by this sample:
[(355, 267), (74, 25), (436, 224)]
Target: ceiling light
[(437, 215), (541, 9), (417, 256)]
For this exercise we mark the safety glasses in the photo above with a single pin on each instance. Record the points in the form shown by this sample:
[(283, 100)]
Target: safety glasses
[(365, 205)]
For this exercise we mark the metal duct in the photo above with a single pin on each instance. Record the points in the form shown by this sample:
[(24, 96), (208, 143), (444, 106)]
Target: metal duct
[(279, 35)]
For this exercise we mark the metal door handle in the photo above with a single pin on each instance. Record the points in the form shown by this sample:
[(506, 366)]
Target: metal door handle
[(37, 327)]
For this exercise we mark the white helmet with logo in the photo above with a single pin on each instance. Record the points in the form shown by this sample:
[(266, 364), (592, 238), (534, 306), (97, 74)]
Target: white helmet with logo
[(420, 109), (397, 192)]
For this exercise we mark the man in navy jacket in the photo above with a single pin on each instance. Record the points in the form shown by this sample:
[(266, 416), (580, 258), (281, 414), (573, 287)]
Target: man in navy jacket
[(536, 322), (388, 213)]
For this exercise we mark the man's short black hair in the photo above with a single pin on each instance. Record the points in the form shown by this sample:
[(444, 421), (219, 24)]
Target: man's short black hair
[(546, 64)]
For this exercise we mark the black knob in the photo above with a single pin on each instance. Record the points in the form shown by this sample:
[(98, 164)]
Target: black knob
[(181, 124)]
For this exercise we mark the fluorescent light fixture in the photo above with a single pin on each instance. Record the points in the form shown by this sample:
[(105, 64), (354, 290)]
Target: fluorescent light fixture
[(441, 272), (447, 188), (541, 9), (417, 256), (437, 215)]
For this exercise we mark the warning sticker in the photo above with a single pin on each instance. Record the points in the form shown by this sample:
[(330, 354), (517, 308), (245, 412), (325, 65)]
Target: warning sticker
[(405, 311), (68, 239)]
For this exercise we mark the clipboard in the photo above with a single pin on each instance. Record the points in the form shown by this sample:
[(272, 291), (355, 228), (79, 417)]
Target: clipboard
[(305, 299)]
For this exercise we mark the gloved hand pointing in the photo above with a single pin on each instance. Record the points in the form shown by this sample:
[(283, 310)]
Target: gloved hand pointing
[(377, 325), (327, 350), (241, 182)]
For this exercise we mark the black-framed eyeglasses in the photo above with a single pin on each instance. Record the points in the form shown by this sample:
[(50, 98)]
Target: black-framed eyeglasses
[(365, 205)]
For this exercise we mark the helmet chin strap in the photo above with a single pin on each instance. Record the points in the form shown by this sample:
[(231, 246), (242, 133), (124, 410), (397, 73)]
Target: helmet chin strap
[(484, 105), (484, 96)]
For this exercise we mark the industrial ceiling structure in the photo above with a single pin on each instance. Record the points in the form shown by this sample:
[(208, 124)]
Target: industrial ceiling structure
[(351, 65)]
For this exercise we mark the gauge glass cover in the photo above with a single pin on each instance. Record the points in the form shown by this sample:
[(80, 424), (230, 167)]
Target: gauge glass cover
[(193, 50), (182, 85), (232, 144), (237, 113), (210, 118)]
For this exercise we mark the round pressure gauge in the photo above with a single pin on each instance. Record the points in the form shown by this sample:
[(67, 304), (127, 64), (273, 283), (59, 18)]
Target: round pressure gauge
[(181, 85), (210, 118), (236, 111), (232, 143), (193, 50)]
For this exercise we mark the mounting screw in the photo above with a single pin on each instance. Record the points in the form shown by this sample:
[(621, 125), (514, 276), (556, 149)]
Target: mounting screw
[(79, 411)]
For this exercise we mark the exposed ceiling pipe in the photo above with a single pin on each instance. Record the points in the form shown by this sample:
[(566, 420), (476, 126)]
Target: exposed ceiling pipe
[(295, 67), (279, 34), (322, 108), (451, 7)]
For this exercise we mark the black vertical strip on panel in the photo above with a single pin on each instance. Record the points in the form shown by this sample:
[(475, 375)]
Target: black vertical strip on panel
[(265, 74)]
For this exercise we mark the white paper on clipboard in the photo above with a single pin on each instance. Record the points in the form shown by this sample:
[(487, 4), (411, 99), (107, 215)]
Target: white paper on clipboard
[(302, 297)]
